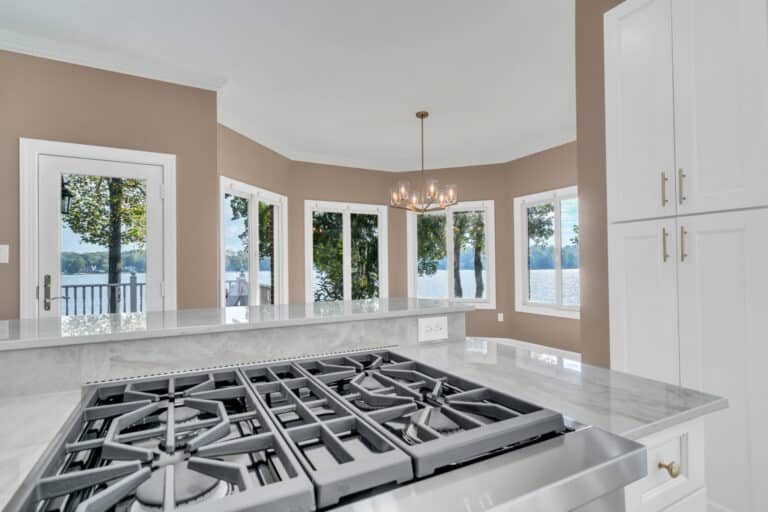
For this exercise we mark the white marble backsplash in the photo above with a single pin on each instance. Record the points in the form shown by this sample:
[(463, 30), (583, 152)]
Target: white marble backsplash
[(43, 370)]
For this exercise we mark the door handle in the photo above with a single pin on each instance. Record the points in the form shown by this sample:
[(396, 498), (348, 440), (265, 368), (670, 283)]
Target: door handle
[(680, 182), (683, 254), (47, 299), (664, 181), (664, 252)]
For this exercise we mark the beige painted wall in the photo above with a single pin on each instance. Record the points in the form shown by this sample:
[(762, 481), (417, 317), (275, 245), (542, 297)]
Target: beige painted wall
[(593, 231), (243, 159), (46, 99)]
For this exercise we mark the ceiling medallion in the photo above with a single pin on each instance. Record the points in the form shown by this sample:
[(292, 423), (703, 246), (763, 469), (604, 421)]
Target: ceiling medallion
[(429, 197)]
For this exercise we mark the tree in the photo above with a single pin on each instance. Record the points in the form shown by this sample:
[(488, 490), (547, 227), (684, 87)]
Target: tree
[(110, 212), (365, 256), (468, 232), (430, 236), (327, 255)]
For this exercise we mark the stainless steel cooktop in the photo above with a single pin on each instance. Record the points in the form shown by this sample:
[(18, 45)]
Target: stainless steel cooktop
[(297, 435)]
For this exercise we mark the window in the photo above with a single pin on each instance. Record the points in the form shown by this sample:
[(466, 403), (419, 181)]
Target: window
[(547, 253), (451, 254), (346, 251), (253, 240)]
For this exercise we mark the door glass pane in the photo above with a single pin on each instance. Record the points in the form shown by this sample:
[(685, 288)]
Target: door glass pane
[(365, 255), (569, 243), (327, 256), (236, 260), (541, 254), (103, 245), (470, 280), (432, 260), (266, 253)]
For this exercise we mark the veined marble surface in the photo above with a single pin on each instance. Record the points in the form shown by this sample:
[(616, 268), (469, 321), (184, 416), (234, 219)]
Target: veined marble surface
[(623, 404), (77, 330)]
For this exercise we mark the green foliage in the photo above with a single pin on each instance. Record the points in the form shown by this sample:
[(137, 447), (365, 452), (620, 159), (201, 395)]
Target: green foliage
[(468, 233), (365, 256), (541, 223), (430, 235), (95, 208), (327, 255), (98, 262)]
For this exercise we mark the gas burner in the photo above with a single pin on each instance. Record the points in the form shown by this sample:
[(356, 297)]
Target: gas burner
[(181, 414), (189, 487)]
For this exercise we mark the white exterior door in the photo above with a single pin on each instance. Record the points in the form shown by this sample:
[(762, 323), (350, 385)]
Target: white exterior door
[(643, 299), (72, 255), (723, 347), (640, 152), (721, 103)]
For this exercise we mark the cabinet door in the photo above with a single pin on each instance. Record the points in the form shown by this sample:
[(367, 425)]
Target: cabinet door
[(721, 103), (639, 110), (643, 299), (724, 347)]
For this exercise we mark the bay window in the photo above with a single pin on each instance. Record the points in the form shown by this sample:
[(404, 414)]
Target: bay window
[(451, 254)]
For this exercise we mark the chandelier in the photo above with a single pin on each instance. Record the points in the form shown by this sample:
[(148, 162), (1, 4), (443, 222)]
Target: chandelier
[(429, 197)]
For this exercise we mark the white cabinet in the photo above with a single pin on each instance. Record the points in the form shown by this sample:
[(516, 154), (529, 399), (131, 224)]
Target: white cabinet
[(643, 299), (696, 502), (639, 110), (686, 88), (723, 320), (721, 103), (680, 447)]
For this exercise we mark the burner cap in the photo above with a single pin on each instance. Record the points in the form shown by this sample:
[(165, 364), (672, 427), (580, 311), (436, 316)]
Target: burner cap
[(188, 485), (180, 414)]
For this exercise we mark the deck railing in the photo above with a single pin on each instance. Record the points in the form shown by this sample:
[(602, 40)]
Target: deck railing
[(93, 299)]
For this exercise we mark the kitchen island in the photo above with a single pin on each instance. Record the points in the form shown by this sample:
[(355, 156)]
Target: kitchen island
[(622, 404)]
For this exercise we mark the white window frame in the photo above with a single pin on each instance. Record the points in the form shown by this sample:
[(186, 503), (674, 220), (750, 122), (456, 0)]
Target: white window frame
[(346, 209), (256, 195), (488, 208), (30, 151), (522, 304)]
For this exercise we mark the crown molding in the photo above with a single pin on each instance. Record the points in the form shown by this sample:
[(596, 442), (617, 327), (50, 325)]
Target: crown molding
[(154, 69)]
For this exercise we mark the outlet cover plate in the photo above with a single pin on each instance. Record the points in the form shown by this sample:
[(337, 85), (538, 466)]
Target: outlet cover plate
[(4, 253), (433, 328)]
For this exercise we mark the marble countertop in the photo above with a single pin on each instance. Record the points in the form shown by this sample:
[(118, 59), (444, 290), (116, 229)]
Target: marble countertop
[(623, 404), (76, 330)]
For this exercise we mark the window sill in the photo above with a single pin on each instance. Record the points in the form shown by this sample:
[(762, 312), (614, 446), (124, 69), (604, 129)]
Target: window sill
[(548, 311)]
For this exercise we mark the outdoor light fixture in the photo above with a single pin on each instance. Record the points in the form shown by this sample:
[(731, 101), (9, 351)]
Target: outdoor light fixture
[(429, 197), (66, 197)]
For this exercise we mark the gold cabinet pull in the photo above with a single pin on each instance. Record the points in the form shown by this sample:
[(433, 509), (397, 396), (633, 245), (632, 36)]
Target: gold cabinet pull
[(680, 182), (664, 252), (664, 181), (683, 254), (673, 468)]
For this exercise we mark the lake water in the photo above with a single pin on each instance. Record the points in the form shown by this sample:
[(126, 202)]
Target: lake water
[(542, 285)]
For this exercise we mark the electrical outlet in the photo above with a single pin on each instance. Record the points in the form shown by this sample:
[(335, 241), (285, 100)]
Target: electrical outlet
[(501, 317), (433, 328), (4, 253)]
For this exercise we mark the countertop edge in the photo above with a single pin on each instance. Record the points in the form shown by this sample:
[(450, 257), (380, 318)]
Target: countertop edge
[(693, 413), (169, 332)]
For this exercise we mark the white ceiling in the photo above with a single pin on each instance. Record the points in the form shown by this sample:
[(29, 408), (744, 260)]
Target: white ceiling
[(339, 81)]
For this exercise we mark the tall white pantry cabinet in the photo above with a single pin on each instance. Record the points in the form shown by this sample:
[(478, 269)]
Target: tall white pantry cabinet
[(686, 91)]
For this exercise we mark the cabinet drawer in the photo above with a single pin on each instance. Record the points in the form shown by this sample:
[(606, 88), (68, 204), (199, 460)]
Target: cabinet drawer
[(682, 445), (696, 502)]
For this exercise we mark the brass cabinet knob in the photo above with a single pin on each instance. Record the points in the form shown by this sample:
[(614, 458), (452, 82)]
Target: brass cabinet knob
[(673, 468)]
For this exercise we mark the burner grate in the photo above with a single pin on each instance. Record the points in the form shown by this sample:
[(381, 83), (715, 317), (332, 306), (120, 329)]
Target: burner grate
[(342, 454)]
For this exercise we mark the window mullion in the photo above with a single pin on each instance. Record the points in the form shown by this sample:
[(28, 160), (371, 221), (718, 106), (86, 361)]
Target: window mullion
[(253, 257), (347, 253), (558, 256)]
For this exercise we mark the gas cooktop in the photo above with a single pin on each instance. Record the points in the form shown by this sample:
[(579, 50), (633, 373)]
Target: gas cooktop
[(298, 435)]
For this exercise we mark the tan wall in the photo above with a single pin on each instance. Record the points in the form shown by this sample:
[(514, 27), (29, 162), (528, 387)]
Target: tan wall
[(248, 161), (46, 99), (593, 234)]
